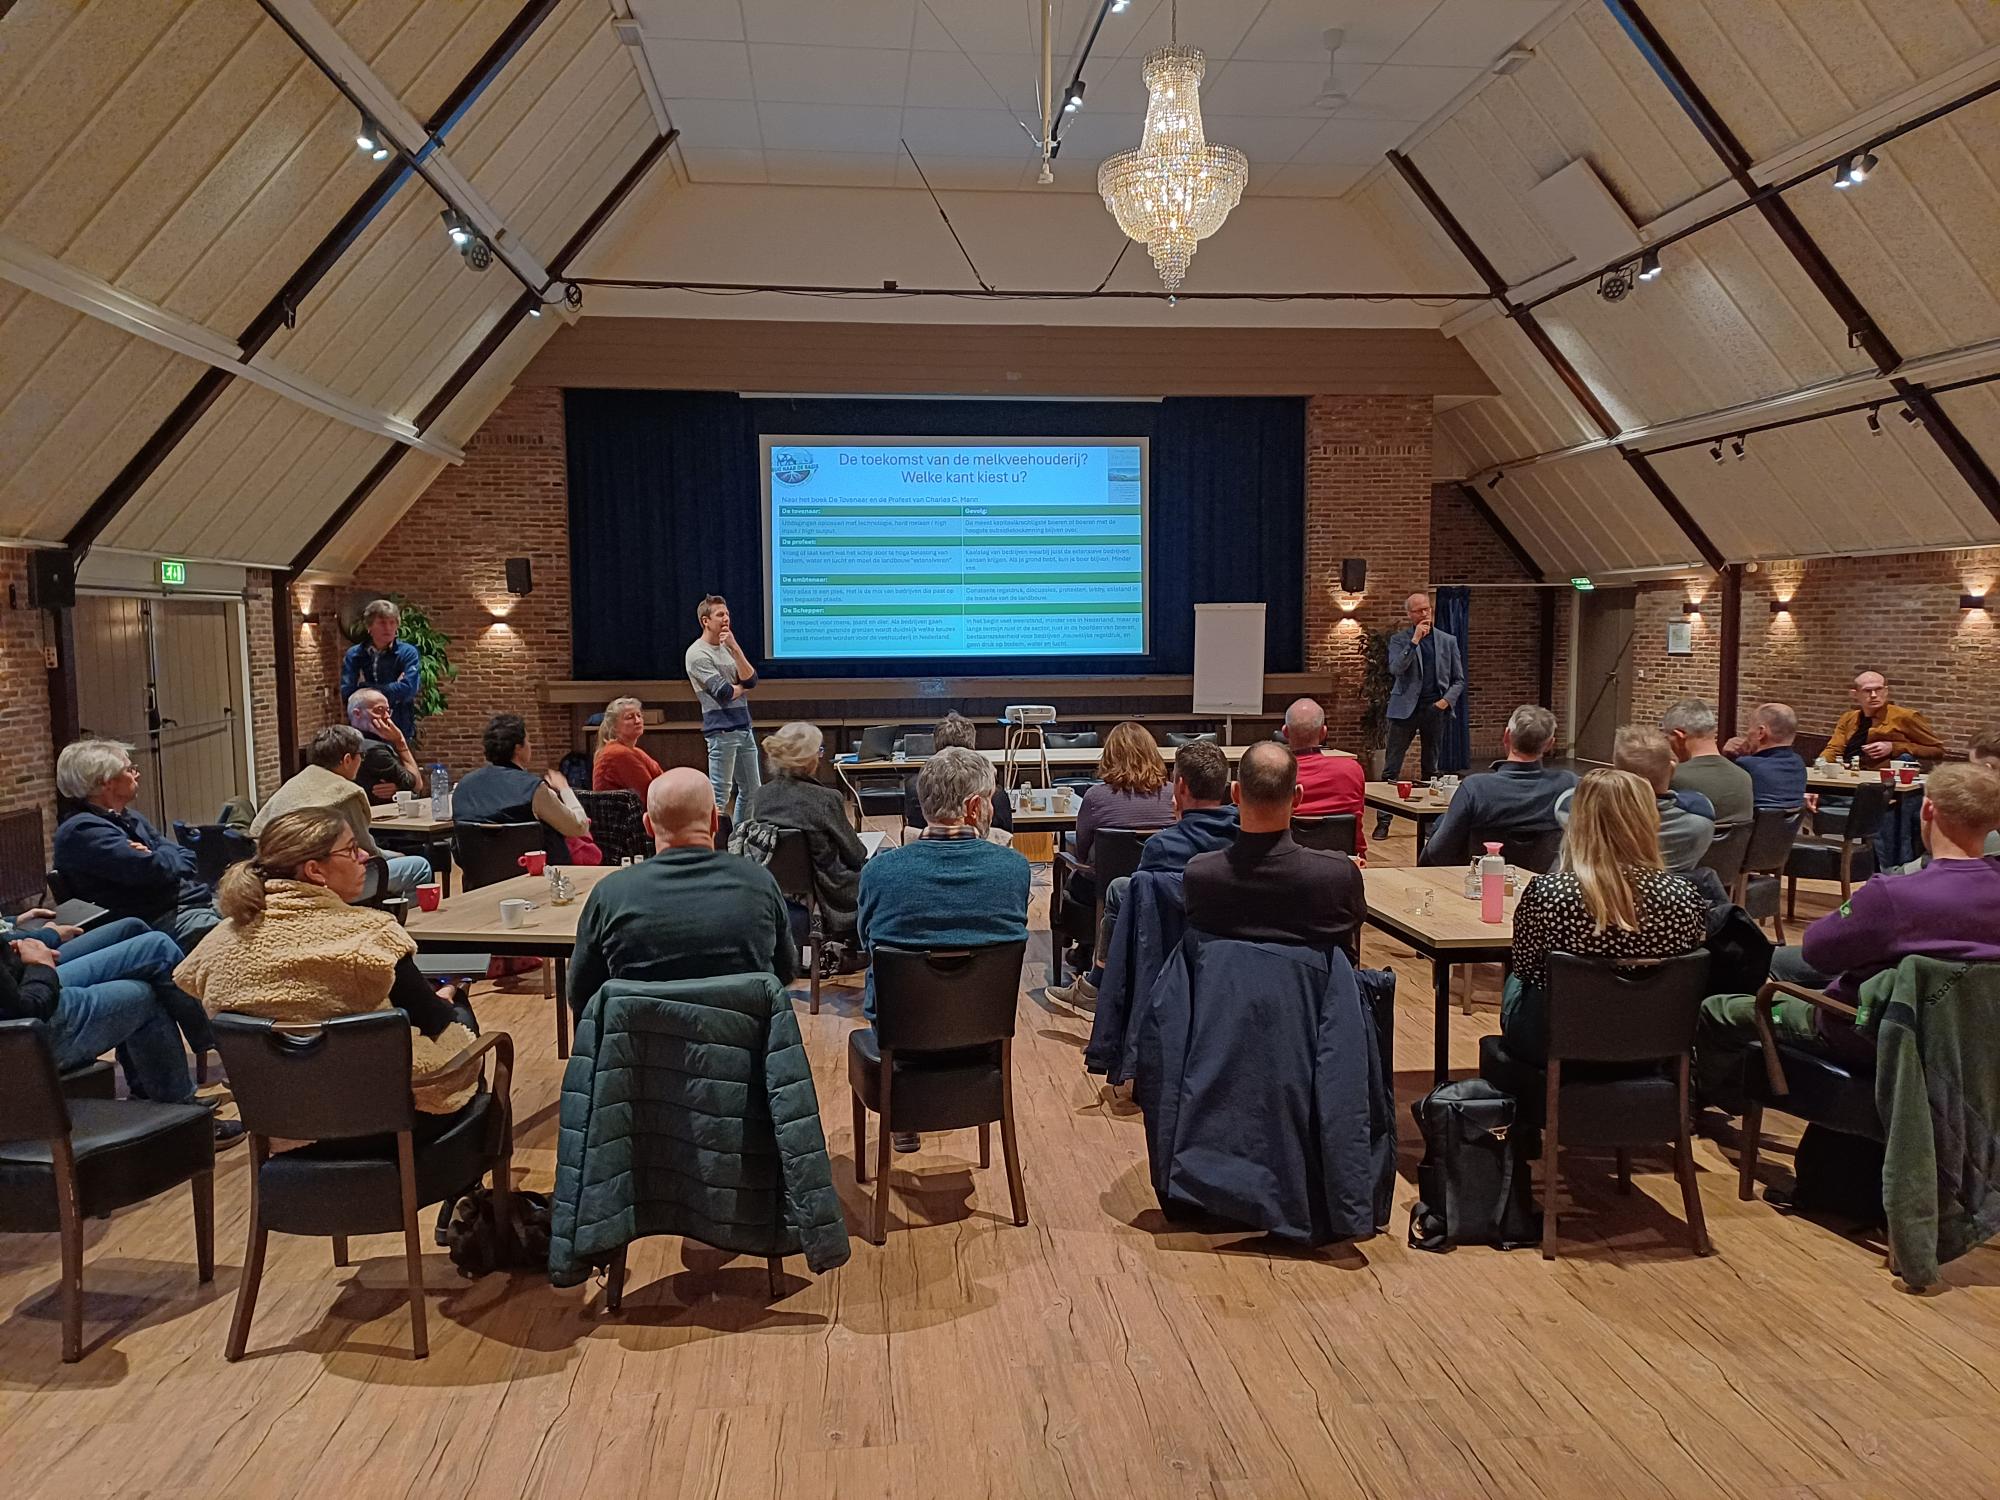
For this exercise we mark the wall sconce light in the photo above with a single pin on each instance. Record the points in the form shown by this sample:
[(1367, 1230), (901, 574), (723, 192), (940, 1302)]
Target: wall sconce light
[(1972, 601), (1781, 606), (1349, 603), (309, 617), (1692, 607)]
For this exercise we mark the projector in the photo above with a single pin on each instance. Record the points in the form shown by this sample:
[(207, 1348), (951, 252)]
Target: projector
[(1030, 713)]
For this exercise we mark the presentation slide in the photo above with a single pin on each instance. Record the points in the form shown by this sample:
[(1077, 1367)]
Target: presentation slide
[(911, 547)]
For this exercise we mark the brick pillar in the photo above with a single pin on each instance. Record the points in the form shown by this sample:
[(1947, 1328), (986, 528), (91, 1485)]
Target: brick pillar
[(1368, 495), (27, 751), (268, 773)]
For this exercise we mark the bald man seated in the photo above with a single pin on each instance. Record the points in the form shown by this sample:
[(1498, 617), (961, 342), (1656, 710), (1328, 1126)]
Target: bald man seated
[(691, 911), (1327, 783)]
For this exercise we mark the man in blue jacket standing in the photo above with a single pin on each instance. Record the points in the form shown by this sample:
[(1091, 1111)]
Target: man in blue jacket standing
[(386, 664), (1427, 676)]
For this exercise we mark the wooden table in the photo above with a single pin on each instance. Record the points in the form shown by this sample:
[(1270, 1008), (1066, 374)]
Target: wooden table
[(1821, 777), (1449, 933), (470, 923), (1423, 806), (1057, 823), (420, 833)]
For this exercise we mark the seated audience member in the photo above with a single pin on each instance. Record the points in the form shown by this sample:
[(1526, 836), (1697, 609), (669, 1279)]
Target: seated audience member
[(333, 761), (110, 988), (1515, 801), (1944, 910), (388, 765), (1265, 887), (1690, 729), (1875, 731), (112, 855), (1203, 820), (1327, 783), (1610, 897), (951, 888), (293, 947), (1985, 751), (385, 663), (1777, 771), (504, 790), (795, 798), (954, 729), (690, 911), (1684, 835), (620, 765), (1131, 792)]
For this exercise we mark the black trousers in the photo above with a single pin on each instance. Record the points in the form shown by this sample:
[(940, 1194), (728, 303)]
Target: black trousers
[(1426, 725)]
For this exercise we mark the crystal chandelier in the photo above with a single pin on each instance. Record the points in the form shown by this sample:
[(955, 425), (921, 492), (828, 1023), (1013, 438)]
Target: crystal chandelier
[(1176, 188)]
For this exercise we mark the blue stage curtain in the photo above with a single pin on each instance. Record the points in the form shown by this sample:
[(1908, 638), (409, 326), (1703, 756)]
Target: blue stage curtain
[(1454, 618), (665, 506)]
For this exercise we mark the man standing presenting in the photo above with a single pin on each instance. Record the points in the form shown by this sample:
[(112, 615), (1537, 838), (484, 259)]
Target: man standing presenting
[(1427, 675), (382, 662), (721, 676)]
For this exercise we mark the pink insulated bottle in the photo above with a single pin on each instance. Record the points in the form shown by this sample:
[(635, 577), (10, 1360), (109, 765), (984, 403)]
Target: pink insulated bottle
[(1492, 886)]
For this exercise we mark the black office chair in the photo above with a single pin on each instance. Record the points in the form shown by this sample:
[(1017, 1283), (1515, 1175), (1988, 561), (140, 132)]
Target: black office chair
[(1334, 831), (1773, 831), (1114, 854), (489, 853), (1840, 847), (939, 1057), (344, 1086), (1080, 739), (216, 847), (1175, 739), (1725, 852), (1620, 1041), (67, 1156), (617, 824), (1534, 852), (791, 866)]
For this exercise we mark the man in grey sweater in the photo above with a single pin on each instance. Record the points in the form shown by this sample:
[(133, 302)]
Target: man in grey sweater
[(721, 676)]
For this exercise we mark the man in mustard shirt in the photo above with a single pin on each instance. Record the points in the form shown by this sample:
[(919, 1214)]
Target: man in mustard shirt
[(1877, 730)]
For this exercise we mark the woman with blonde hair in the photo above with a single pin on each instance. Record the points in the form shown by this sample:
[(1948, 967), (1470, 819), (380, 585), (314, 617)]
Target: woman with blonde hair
[(290, 947), (619, 764), (794, 797), (1610, 896)]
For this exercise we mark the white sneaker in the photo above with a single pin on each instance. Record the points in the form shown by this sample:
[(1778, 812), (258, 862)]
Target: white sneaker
[(1080, 992)]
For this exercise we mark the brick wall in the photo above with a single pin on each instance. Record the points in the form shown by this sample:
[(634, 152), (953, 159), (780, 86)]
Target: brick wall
[(448, 553), (267, 771), (1368, 495), (1898, 615), (1660, 680), (1565, 716), (1505, 649), (27, 756)]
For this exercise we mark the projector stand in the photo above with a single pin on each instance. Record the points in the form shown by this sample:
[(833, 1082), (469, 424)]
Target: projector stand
[(1026, 738)]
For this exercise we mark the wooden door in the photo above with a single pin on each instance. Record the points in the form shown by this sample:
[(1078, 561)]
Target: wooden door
[(198, 684), (1603, 670)]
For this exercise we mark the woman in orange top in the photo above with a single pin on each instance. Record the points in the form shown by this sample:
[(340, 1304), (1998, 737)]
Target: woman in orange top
[(621, 766)]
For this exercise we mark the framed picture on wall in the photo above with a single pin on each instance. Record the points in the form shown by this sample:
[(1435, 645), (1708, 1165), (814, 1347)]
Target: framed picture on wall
[(1680, 638)]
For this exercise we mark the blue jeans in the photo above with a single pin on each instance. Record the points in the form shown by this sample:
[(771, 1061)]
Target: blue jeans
[(732, 763), (188, 925), (406, 873), (128, 949), (118, 991)]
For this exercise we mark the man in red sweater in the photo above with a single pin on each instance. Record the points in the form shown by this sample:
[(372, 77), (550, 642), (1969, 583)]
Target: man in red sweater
[(1327, 783)]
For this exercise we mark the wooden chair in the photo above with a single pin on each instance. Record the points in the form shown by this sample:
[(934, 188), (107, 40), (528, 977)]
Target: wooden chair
[(489, 853), (1841, 847), (1773, 832), (939, 1057), (616, 824), (1334, 831), (1726, 850), (66, 1156), (792, 867), (1801, 1082), (344, 1086)]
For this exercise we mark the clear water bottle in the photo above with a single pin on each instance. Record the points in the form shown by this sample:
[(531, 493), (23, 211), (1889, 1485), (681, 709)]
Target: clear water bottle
[(440, 791)]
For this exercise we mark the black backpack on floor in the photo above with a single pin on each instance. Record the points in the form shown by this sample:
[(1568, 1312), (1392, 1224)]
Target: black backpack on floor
[(1473, 1183)]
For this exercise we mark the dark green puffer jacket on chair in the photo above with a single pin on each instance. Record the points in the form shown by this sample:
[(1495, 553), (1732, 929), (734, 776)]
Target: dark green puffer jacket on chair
[(688, 1108)]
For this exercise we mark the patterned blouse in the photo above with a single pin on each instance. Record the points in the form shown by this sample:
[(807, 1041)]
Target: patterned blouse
[(1551, 917)]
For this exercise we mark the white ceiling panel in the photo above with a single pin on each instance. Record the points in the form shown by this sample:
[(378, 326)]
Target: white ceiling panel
[(787, 74), (830, 127), (851, 23), (703, 70)]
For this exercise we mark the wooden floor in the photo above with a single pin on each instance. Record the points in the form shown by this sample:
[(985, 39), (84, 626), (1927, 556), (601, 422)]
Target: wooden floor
[(1095, 1352)]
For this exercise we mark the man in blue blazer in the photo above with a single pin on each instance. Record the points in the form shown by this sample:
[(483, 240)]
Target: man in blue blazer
[(1427, 675)]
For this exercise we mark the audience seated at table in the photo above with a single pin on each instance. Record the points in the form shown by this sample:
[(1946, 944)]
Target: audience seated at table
[(388, 765), (111, 988), (333, 761), (111, 854), (1950, 909), (954, 729), (620, 765), (504, 790), (1609, 897), (1264, 887), (293, 947), (1131, 792), (1204, 819), (794, 797), (1685, 830), (690, 911), (1876, 731), (1516, 800), (1690, 728), (1764, 750), (1328, 784)]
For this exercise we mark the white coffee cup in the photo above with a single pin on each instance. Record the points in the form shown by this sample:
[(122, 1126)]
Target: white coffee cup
[(514, 912), (405, 804)]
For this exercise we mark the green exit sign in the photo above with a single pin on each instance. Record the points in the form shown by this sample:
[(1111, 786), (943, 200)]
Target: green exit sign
[(1582, 585), (173, 570)]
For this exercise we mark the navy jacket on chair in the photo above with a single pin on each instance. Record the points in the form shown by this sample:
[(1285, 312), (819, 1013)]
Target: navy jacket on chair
[(1150, 924)]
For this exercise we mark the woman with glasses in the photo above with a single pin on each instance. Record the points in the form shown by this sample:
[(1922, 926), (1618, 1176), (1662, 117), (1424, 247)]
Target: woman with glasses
[(290, 947)]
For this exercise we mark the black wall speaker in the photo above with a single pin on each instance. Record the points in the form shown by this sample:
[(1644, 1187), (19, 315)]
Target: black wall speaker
[(1353, 575), (520, 576), (51, 580)]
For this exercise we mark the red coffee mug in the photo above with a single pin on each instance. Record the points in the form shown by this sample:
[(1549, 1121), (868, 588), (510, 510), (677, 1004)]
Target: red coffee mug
[(1403, 790), (1887, 775), (428, 896), (1907, 775), (534, 861)]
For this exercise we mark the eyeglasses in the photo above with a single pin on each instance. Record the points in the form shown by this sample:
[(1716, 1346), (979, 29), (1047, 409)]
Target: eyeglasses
[(351, 851)]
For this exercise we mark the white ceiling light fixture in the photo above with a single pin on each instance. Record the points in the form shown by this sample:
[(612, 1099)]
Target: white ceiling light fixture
[(1175, 189), (1331, 95)]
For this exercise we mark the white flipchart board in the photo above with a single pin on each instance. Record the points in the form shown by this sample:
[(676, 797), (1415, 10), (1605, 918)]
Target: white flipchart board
[(1229, 659)]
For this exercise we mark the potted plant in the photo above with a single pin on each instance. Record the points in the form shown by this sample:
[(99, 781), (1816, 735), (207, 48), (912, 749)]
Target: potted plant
[(1375, 684)]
